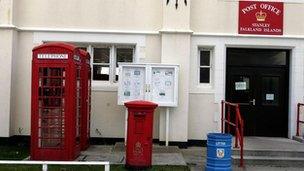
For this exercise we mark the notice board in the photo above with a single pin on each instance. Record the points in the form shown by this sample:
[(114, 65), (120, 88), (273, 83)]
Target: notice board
[(152, 82)]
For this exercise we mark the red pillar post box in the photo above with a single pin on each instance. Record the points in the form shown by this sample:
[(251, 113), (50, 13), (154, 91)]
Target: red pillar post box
[(56, 102), (86, 96), (139, 135)]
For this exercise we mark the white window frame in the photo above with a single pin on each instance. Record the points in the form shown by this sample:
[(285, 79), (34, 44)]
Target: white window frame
[(115, 47), (92, 60), (110, 84), (211, 50), (85, 38)]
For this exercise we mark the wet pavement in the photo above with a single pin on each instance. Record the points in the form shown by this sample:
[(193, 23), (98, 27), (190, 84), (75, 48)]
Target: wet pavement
[(193, 157)]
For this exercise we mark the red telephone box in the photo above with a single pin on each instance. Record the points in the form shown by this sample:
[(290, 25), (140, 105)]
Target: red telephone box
[(56, 102), (86, 96), (139, 135)]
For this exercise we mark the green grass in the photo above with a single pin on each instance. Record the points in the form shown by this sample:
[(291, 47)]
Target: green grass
[(20, 167), (18, 152), (87, 168), (154, 168)]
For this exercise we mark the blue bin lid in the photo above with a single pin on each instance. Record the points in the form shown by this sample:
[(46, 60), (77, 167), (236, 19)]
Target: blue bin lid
[(219, 136)]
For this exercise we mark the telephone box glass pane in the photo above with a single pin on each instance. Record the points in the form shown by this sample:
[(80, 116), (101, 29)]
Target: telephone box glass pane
[(270, 90), (78, 105), (51, 107), (89, 102)]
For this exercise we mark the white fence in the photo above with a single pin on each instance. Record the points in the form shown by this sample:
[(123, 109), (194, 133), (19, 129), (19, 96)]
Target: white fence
[(46, 163)]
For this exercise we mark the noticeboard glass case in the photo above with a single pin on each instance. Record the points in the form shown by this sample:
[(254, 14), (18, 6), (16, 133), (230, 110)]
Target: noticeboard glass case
[(153, 82)]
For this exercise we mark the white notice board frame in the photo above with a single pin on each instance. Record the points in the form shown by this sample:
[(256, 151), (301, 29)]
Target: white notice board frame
[(128, 83), (166, 71)]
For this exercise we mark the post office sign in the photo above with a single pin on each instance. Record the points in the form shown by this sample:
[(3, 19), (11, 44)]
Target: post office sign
[(261, 17)]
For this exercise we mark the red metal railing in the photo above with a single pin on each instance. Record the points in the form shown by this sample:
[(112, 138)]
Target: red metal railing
[(238, 124), (298, 118)]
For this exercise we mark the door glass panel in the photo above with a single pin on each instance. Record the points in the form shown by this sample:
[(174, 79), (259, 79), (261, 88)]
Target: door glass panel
[(241, 89), (256, 57), (270, 90)]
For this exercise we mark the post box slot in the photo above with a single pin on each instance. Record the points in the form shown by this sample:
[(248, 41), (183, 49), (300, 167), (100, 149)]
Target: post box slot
[(140, 113)]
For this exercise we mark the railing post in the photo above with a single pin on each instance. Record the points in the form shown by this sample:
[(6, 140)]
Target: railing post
[(222, 113), (228, 115), (242, 143), (236, 128), (298, 119), (239, 125)]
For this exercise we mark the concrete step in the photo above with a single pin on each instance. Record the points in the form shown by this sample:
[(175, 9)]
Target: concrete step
[(298, 138), (269, 153), (270, 161)]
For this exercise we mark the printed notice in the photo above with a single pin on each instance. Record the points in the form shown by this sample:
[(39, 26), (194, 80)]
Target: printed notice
[(270, 97), (163, 84), (133, 83), (240, 85)]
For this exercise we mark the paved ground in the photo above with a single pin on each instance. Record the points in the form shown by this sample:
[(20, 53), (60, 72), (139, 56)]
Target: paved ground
[(116, 155), (194, 157), (272, 143)]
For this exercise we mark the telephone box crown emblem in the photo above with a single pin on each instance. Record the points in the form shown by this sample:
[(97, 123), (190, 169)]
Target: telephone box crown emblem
[(261, 16)]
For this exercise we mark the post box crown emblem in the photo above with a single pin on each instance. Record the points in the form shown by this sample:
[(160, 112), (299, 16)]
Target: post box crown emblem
[(261, 16), (138, 150)]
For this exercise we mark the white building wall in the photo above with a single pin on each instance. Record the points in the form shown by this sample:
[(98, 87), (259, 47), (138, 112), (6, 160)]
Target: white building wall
[(93, 14), (175, 49), (221, 16), (161, 33), (202, 115), (21, 85), (6, 12), (15, 46), (6, 54)]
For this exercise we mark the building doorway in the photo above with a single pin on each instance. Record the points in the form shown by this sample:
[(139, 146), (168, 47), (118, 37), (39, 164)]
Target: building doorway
[(258, 80)]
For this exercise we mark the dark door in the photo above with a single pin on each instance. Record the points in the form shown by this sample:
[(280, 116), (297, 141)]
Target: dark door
[(261, 88)]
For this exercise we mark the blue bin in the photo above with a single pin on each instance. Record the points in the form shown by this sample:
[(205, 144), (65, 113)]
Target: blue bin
[(218, 152)]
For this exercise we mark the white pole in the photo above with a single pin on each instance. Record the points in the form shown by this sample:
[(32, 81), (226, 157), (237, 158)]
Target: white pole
[(107, 167), (126, 125), (44, 167), (167, 126)]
